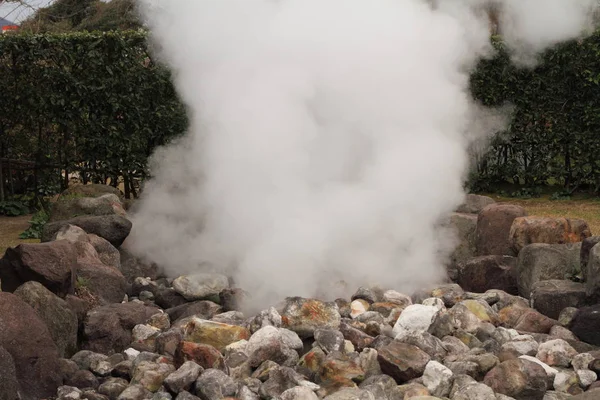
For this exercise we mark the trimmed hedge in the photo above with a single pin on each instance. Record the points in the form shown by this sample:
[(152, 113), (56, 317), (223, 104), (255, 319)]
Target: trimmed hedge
[(92, 103), (554, 137)]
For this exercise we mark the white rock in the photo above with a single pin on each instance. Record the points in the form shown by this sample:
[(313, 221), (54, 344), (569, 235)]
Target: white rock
[(582, 361), (475, 391), (503, 335), (357, 308), (552, 395), (438, 379), (556, 352), (586, 377), (551, 372), (434, 302), (143, 332), (415, 318), (299, 393), (69, 393), (200, 286), (522, 344), (565, 380), (348, 347), (131, 353)]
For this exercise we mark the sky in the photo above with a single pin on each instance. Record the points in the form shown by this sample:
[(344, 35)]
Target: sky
[(17, 12)]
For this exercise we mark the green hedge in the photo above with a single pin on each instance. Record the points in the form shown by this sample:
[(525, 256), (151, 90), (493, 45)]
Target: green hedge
[(97, 104), (554, 137), (93, 103)]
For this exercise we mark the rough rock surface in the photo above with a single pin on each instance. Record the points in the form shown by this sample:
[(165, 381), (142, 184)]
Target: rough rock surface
[(493, 228), (113, 228), (528, 230)]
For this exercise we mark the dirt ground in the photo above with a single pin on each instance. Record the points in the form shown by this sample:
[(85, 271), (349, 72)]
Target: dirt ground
[(10, 229)]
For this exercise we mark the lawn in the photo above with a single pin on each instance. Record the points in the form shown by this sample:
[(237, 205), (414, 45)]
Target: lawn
[(585, 208), (10, 229)]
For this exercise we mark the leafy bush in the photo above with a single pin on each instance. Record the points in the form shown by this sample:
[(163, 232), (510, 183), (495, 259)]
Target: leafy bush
[(36, 226), (13, 208)]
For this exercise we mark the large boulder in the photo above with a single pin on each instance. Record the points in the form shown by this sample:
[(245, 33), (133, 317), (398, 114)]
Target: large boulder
[(90, 190), (586, 324), (591, 273), (107, 329), (552, 296), (586, 247), (474, 203), (55, 313), (528, 230), (113, 228), (542, 262), (67, 208), (52, 264), (493, 227), (107, 284), (107, 253), (483, 273), (464, 227), (9, 385), (27, 339)]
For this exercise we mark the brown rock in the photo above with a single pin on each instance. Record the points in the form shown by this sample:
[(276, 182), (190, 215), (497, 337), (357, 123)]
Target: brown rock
[(464, 226), (474, 203), (358, 338), (493, 227), (552, 296), (213, 333), (304, 316), (204, 355), (518, 378), (51, 264), (528, 230), (483, 273), (28, 341), (402, 361)]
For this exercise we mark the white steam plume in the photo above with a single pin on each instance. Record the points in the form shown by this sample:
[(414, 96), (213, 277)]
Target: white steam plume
[(328, 138)]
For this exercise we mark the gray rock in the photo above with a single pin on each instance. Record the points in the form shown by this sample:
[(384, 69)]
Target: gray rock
[(480, 274), (304, 316), (281, 379), (474, 203), (55, 313), (270, 343), (299, 393), (113, 387), (438, 379), (107, 253), (186, 396), (586, 247), (329, 340), (464, 227), (135, 392), (133, 267), (552, 296), (351, 394), (9, 385), (68, 393), (402, 361), (200, 286), (113, 228), (269, 317), (556, 352), (541, 262), (183, 378), (107, 204), (592, 274), (214, 384)]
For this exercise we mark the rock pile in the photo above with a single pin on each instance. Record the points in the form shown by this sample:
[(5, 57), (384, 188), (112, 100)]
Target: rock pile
[(83, 319)]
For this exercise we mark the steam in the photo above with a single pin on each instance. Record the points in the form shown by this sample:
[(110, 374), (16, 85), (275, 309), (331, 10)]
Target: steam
[(328, 138)]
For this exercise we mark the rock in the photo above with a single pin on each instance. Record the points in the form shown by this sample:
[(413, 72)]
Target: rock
[(232, 299), (551, 372), (85, 358), (83, 379), (350, 394), (275, 344), (107, 253), (549, 230), (591, 271), (113, 387), (589, 395), (304, 316), (542, 262), (438, 379), (9, 385), (464, 227), (107, 329), (586, 247), (474, 204), (339, 367), (358, 338), (415, 318), (402, 361), (281, 379), (586, 377), (329, 340), (202, 354), (299, 393), (466, 388), (556, 352), (494, 223), (358, 307), (586, 324), (27, 339), (106, 204), (184, 377), (518, 378), (151, 374), (60, 320), (72, 234), (200, 286), (167, 342), (144, 337), (552, 296), (113, 228), (203, 309), (213, 384), (133, 267), (51, 264), (567, 382), (366, 294), (391, 296), (90, 190), (135, 392), (215, 334), (264, 318), (521, 345), (483, 273), (104, 282)]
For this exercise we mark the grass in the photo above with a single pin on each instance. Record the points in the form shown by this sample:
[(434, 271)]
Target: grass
[(10, 229), (582, 207)]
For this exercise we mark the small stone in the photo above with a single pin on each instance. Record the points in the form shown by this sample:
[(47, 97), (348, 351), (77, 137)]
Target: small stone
[(83, 379), (68, 393), (213, 333), (391, 296), (358, 307), (160, 321), (551, 372), (145, 335), (566, 316), (556, 352), (438, 379), (364, 294), (134, 392), (151, 375), (586, 377), (183, 378), (202, 354), (299, 393), (113, 387), (329, 340), (269, 317), (521, 345), (567, 382), (101, 367), (214, 384), (123, 369), (560, 332), (270, 343), (582, 361), (167, 342), (131, 354), (146, 295), (200, 286), (304, 316), (415, 318), (402, 361)]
